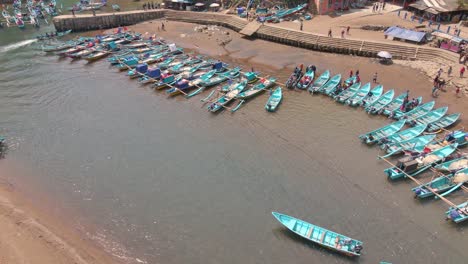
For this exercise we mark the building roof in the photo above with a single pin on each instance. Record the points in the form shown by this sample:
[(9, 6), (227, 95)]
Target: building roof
[(406, 34), (437, 6)]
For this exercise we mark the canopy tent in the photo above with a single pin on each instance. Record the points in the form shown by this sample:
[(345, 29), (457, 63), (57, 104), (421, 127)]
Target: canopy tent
[(199, 4), (384, 54), (406, 34), (214, 5)]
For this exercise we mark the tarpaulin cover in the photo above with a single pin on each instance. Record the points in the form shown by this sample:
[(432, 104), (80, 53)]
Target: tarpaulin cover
[(407, 34), (154, 72), (142, 68)]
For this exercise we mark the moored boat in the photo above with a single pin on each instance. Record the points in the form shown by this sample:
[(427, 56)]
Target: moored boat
[(416, 112), (453, 165), (321, 236), (380, 103), (351, 91), (294, 77), (442, 185), (330, 85), (96, 55), (319, 82), (307, 78), (357, 98), (151, 75), (220, 103), (411, 144), (257, 89), (403, 135), (275, 99), (380, 133), (372, 96), (430, 117), (459, 213), (444, 122)]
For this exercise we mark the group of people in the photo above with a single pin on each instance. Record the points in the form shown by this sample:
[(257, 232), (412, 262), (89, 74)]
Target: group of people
[(378, 6), (152, 5), (439, 83)]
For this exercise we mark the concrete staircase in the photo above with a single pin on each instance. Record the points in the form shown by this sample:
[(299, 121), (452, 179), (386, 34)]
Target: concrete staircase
[(251, 28)]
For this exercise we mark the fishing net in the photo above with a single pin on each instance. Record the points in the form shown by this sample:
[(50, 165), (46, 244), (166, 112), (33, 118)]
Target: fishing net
[(429, 159), (460, 177), (458, 164)]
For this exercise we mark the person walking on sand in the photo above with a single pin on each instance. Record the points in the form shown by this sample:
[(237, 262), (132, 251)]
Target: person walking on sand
[(374, 79), (350, 73), (342, 33), (439, 72), (347, 30), (462, 71), (301, 25), (357, 72), (163, 27), (457, 91), (449, 71), (330, 32)]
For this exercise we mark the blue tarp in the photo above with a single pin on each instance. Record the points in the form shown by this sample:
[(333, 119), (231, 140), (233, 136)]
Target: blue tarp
[(407, 34)]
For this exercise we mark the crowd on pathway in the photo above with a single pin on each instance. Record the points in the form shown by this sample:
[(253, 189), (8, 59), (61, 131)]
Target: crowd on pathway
[(439, 83)]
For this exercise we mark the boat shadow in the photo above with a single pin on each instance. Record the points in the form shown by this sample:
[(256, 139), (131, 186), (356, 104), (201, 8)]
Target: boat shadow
[(285, 234)]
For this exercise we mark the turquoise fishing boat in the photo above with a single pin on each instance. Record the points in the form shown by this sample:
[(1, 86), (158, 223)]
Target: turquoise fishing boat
[(350, 81), (331, 85), (202, 84), (372, 97), (357, 98), (319, 82), (394, 105), (127, 63), (221, 102), (380, 133), (151, 75), (139, 70), (274, 100), (444, 122), (459, 213), (403, 135), (351, 91), (167, 80), (323, 237), (442, 185), (411, 144), (453, 165), (415, 165), (416, 112), (430, 117), (257, 89), (306, 79), (380, 103)]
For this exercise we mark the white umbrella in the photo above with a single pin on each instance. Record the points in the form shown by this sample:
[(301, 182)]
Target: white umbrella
[(384, 54), (214, 5), (199, 4)]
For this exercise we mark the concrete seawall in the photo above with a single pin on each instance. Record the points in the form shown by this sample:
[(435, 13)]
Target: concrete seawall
[(267, 32)]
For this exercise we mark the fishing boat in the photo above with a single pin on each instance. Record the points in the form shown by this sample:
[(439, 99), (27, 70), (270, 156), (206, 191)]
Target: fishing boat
[(307, 78), (183, 85), (275, 99), (394, 105), (294, 77), (403, 135), (351, 91), (81, 53), (250, 77), (416, 112), (371, 97), (453, 165), (52, 36), (442, 185), (430, 117), (331, 85), (459, 213), (323, 237), (222, 77), (380, 103), (319, 82), (127, 63), (350, 81), (139, 70), (285, 13), (54, 48), (407, 145), (96, 55), (221, 102), (257, 89), (444, 122), (69, 51), (415, 165), (151, 75), (357, 98), (115, 7), (167, 80), (380, 133)]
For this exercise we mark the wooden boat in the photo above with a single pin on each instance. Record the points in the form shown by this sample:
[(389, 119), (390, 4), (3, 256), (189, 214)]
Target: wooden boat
[(416, 112), (459, 213), (323, 237), (285, 13), (294, 77), (350, 81), (136, 45), (72, 50), (351, 91), (205, 79), (52, 48), (58, 35), (357, 98), (442, 185), (151, 75), (81, 53), (138, 71), (400, 147), (380, 133), (221, 77), (430, 117), (275, 99), (380, 103), (183, 85), (416, 165), (403, 135), (395, 104), (373, 96), (179, 67), (257, 89), (330, 86), (220, 103), (127, 63), (319, 82), (167, 80), (307, 78), (444, 122), (96, 55), (453, 165)]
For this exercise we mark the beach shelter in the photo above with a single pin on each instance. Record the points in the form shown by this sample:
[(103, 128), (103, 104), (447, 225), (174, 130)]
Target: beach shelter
[(384, 54), (405, 34)]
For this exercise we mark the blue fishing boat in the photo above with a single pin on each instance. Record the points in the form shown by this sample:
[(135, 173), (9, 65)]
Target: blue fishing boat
[(357, 98), (430, 117), (459, 213), (372, 96), (202, 84), (442, 185), (403, 135), (294, 77), (127, 63), (444, 122), (186, 84), (330, 85), (407, 145), (167, 80), (323, 237), (394, 105), (415, 165), (319, 82), (307, 78), (257, 89), (151, 75), (351, 91), (380, 103), (380, 133), (222, 101), (139, 70), (275, 99), (453, 165), (416, 112)]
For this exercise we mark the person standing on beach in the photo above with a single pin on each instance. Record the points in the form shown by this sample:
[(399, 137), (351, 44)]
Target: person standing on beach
[(457, 91), (330, 32), (439, 72), (462, 71), (73, 12), (357, 72), (301, 25), (342, 33), (350, 73), (347, 30), (449, 71), (163, 27), (383, 6), (374, 79)]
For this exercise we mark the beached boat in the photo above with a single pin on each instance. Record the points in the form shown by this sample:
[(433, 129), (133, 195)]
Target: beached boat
[(139, 70), (351, 91), (307, 78), (380, 133), (96, 55), (403, 135), (72, 50), (380, 103), (167, 80), (350, 81), (202, 84), (294, 77), (453, 165), (416, 112), (330, 85), (444, 122), (357, 98), (442, 185), (459, 213), (319, 82), (411, 144), (53, 48), (430, 117), (221, 102), (415, 165), (275, 99), (151, 75), (127, 63), (81, 53), (373, 96), (257, 89), (183, 85), (321, 236), (393, 105)]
